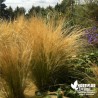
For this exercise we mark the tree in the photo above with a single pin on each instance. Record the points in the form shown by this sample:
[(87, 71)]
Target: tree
[(32, 12), (67, 7), (2, 9), (92, 8), (66, 4), (37, 11), (10, 13), (19, 11)]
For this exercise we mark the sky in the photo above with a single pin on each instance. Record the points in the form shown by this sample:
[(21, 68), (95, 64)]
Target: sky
[(27, 4)]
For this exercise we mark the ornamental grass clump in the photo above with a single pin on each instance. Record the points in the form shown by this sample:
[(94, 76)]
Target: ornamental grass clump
[(50, 54), (14, 60), (39, 48), (11, 73)]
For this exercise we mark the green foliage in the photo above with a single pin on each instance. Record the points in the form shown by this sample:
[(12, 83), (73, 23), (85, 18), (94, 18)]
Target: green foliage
[(75, 12), (84, 62), (82, 14), (71, 93), (92, 10), (91, 58)]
